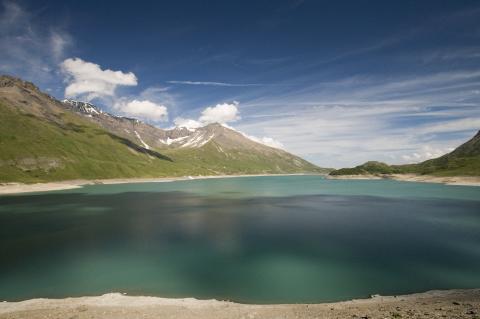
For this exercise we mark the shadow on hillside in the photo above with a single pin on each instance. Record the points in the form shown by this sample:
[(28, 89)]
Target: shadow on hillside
[(69, 126), (138, 148)]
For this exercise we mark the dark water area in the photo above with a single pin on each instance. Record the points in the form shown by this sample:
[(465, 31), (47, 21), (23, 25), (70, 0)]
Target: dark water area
[(300, 248)]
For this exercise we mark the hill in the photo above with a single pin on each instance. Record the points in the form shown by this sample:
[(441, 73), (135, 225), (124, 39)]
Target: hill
[(43, 139), (463, 161)]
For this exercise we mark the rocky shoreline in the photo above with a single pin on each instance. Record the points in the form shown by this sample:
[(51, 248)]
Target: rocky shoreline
[(432, 304)]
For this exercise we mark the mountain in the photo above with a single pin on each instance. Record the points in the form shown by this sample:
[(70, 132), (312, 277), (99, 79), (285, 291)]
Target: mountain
[(463, 161), (43, 139)]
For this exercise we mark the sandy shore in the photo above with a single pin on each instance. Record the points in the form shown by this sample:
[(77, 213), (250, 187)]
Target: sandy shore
[(450, 180), (17, 188), (432, 304)]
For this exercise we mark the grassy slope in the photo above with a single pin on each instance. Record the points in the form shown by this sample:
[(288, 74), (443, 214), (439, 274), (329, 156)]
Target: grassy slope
[(81, 149), (463, 161), (365, 169), (465, 166), (213, 161), (38, 150)]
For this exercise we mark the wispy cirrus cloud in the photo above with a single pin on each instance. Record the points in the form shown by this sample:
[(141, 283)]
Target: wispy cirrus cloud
[(27, 48), (208, 83), (389, 118)]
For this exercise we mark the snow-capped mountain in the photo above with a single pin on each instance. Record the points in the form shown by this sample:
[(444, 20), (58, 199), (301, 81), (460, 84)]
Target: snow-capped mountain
[(150, 136), (215, 139)]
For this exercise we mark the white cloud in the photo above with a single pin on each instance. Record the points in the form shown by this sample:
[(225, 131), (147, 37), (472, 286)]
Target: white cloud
[(143, 109), (427, 152), (271, 142), (88, 81), (220, 113), (187, 123), (268, 141)]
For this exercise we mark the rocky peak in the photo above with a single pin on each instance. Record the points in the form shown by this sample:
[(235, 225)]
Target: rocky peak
[(83, 107), (11, 81)]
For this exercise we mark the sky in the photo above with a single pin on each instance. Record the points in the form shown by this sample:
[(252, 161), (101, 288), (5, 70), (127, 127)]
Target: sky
[(336, 82)]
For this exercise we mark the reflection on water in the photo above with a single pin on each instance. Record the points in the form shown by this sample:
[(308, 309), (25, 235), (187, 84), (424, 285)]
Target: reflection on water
[(252, 249)]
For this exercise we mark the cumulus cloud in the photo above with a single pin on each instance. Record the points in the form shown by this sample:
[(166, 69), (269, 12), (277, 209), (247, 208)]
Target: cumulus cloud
[(142, 109), (88, 81), (220, 113), (188, 123)]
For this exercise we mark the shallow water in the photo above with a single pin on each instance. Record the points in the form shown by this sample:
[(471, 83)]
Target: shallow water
[(248, 239)]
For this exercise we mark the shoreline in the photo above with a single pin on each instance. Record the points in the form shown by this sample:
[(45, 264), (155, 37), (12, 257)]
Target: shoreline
[(455, 303), (9, 188), (19, 188), (447, 180)]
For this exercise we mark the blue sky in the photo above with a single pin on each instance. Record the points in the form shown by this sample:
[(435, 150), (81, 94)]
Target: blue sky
[(337, 82)]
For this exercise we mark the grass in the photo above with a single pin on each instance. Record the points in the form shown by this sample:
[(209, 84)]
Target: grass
[(463, 161), (448, 165), (81, 149)]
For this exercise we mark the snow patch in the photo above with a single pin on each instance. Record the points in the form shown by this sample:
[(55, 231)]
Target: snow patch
[(198, 140), (84, 107), (170, 141), (144, 144)]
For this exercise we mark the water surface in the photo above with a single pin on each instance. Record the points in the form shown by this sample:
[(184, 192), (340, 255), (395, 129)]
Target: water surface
[(249, 239)]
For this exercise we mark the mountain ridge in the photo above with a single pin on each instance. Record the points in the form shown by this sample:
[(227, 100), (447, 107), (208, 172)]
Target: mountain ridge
[(43, 139)]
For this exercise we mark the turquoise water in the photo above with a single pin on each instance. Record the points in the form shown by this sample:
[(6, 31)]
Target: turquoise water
[(248, 239)]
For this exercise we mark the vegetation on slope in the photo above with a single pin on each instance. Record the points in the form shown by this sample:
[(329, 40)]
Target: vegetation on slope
[(463, 161), (34, 149)]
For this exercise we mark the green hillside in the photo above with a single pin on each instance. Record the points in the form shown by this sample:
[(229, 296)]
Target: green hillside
[(463, 161), (34, 149)]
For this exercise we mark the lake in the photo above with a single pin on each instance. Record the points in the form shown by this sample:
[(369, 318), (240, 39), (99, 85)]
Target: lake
[(276, 239)]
